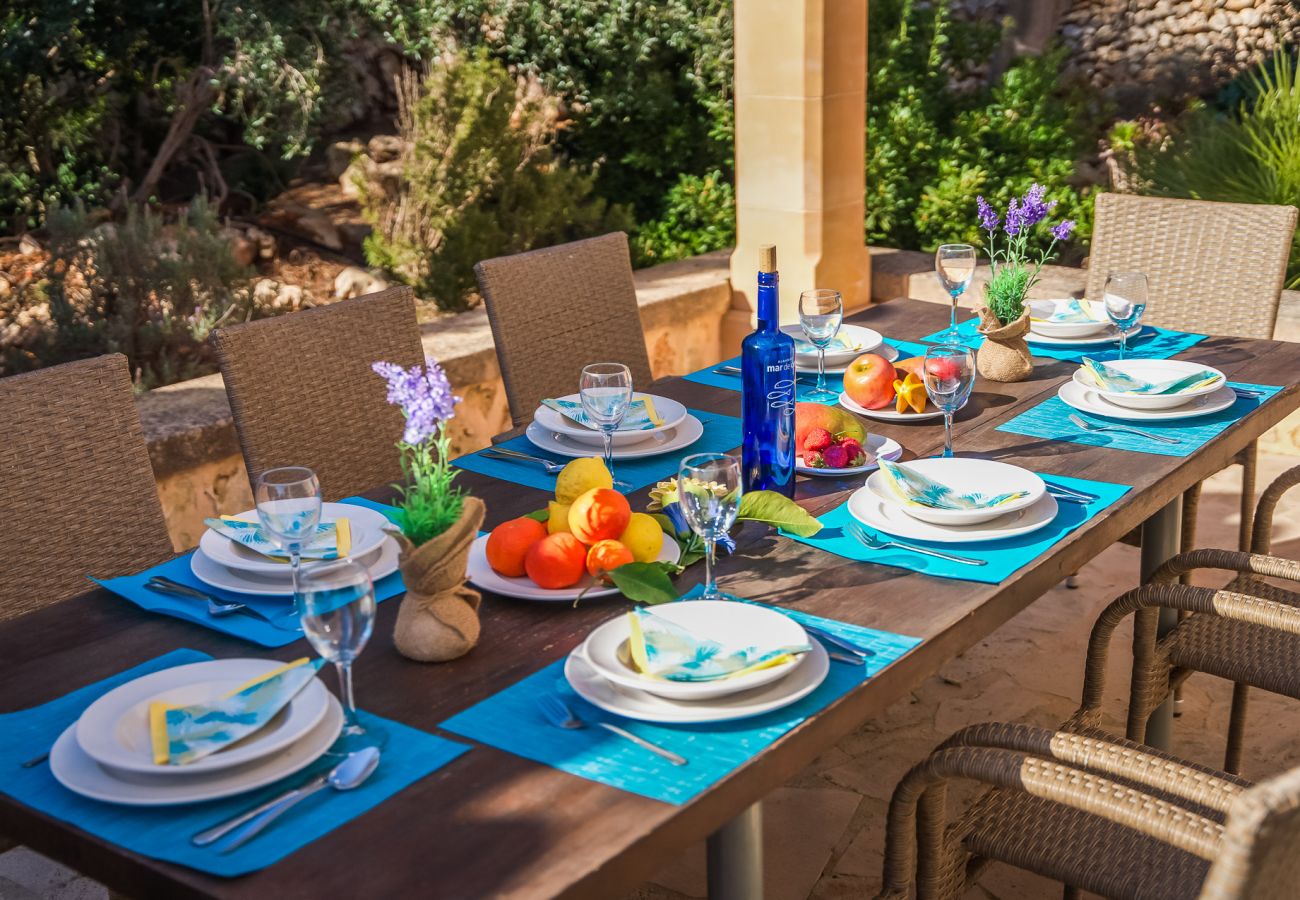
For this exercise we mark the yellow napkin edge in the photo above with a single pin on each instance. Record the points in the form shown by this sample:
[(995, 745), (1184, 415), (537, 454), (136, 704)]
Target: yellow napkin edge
[(650, 410)]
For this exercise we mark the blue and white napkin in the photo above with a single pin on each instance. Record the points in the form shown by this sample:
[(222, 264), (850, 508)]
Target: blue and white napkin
[(640, 415), (1110, 378), (666, 650), (331, 541), (915, 489), (1073, 312)]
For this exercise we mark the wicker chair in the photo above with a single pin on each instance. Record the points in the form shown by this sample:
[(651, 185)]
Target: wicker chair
[(78, 496), (303, 393), (556, 310), (1101, 813)]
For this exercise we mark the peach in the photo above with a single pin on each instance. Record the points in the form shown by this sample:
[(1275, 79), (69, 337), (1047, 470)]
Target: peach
[(598, 515), (869, 381), (510, 542), (556, 561), (839, 422), (606, 556)]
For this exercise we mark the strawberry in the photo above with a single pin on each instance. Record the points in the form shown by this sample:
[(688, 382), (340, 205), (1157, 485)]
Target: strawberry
[(817, 439), (813, 459), (835, 456), (859, 460), (852, 447)]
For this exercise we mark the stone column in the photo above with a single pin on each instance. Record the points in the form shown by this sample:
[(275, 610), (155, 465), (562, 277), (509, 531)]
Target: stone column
[(800, 94)]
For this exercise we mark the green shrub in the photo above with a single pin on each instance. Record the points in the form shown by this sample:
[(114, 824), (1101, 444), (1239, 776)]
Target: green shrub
[(700, 215), (479, 178)]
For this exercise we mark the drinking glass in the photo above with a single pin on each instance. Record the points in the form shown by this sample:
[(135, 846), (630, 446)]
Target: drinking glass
[(338, 613), (1125, 298), (708, 491), (288, 504), (820, 314), (955, 266), (949, 376), (606, 391)]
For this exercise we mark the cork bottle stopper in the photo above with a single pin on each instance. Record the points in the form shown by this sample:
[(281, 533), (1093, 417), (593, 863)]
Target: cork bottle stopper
[(767, 258)]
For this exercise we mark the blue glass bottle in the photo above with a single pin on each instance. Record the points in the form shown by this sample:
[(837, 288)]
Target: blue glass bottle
[(768, 392)]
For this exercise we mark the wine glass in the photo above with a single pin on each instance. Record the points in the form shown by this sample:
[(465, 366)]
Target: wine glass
[(955, 266), (338, 613), (708, 491), (949, 376), (288, 504), (1125, 299), (606, 392), (820, 314)]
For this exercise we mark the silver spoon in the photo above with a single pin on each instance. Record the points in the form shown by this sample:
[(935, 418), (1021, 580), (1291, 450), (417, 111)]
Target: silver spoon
[(217, 607), (558, 712), (1121, 429), (350, 773)]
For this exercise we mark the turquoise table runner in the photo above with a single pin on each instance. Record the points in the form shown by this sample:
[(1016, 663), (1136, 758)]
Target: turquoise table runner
[(511, 721), (721, 433), (1004, 556), (164, 832), (1050, 419), (240, 625), (807, 380), (1150, 343)]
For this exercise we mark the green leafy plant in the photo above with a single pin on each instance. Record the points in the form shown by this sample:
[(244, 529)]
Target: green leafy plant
[(699, 216)]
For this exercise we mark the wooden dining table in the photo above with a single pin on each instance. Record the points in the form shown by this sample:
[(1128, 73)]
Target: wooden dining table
[(491, 824)]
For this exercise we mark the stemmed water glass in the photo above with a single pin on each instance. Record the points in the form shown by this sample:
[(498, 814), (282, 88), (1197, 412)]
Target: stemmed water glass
[(820, 313), (288, 504), (1125, 299), (606, 392), (949, 376), (708, 491), (955, 266), (337, 602)]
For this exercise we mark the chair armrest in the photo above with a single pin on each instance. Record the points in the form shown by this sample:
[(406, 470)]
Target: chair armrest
[(1232, 560)]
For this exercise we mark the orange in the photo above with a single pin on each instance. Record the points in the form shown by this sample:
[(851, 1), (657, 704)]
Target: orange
[(556, 561), (598, 515), (510, 542), (606, 556)]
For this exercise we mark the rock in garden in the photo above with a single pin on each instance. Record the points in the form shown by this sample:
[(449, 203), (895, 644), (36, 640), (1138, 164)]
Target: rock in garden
[(339, 155), (242, 250), (28, 245), (355, 281), (384, 147)]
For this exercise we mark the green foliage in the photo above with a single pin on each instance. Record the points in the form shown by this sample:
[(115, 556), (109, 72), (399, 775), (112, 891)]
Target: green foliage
[(1251, 155), (1004, 294), (699, 216), (431, 503), (479, 179)]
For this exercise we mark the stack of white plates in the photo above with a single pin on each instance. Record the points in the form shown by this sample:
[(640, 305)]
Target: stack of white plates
[(229, 566), (1083, 394), (601, 672), (107, 754), (851, 342), (558, 434), (1072, 334), (877, 507)]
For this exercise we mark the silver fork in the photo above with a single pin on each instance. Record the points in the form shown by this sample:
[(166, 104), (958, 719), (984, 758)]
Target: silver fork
[(552, 468), (559, 714), (217, 608), (875, 542), (1122, 429)]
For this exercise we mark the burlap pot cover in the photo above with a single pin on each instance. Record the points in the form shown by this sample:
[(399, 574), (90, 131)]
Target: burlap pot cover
[(1004, 356), (438, 619)]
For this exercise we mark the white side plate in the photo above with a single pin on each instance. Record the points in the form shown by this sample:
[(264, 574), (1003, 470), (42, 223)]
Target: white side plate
[(524, 588), (688, 432)]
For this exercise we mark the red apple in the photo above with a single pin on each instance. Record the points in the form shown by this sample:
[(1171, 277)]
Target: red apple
[(869, 381)]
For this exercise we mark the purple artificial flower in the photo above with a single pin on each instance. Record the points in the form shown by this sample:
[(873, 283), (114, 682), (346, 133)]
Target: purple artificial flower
[(1062, 231), (1033, 208), (424, 395), (1015, 218), (989, 220)]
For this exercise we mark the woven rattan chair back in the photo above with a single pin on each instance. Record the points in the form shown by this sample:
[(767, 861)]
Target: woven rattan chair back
[(556, 310), (77, 496), (303, 393), (1260, 853), (1213, 268)]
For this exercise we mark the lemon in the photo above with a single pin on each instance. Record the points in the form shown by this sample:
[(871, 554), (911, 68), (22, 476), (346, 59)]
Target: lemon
[(580, 476), (557, 517), (643, 537)]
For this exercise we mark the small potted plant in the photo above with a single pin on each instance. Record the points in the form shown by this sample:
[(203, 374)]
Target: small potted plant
[(1004, 321), (438, 619)]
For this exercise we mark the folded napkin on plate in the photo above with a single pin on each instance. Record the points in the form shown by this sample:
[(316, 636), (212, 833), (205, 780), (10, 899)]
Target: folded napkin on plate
[(663, 649), (1072, 313), (640, 415), (910, 486), (1112, 379), (332, 541), (183, 734), (838, 344)]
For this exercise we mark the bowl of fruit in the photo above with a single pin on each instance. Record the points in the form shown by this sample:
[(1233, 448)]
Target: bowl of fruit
[(830, 442), (890, 392)]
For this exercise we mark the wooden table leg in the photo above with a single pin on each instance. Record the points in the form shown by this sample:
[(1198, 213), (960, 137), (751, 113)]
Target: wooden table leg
[(1161, 535), (735, 858)]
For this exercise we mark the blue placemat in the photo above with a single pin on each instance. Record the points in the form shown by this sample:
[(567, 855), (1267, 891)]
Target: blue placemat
[(1004, 556), (164, 832), (1050, 419), (721, 433), (807, 380), (240, 625), (1150, 343), (511, 721)]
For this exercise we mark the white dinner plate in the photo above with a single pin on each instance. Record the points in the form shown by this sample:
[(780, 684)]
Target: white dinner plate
[(726, 621), (524, 588), (1109, 336), (77, 772), (367, 526), (114, 730), (808, 365), (966, 476), (1088, 400), (888, 414), (379, 563), (1039, 310), (871, 511), (671, 441), (603, 693), (1152, 370), (670, 411), (863, 340), (877, 447)]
